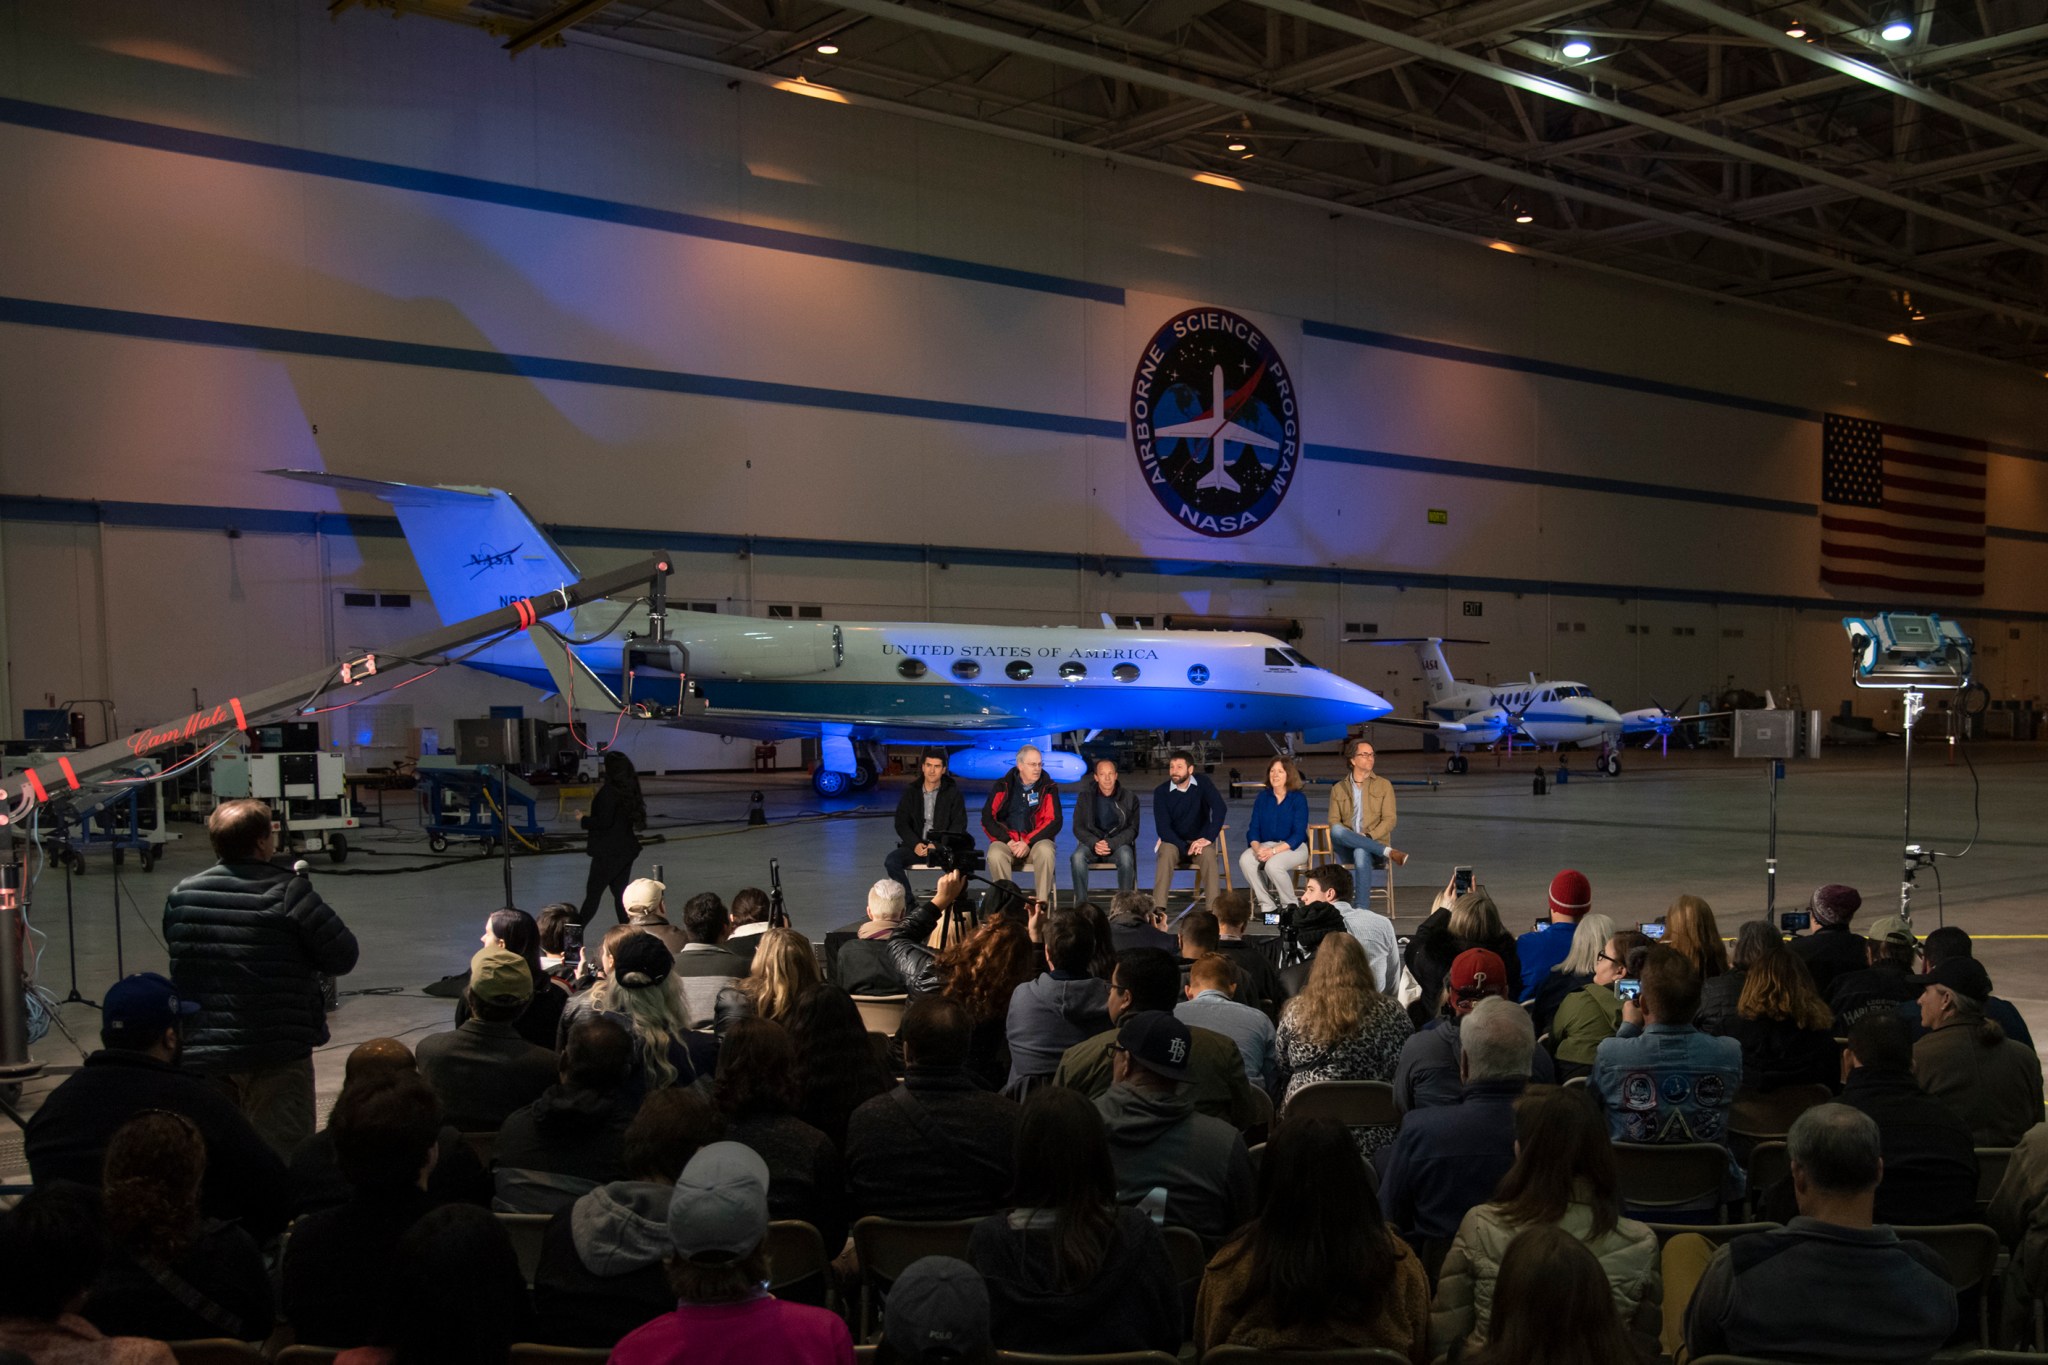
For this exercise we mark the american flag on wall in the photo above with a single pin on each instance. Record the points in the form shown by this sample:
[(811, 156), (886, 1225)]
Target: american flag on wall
[(1902, 510)]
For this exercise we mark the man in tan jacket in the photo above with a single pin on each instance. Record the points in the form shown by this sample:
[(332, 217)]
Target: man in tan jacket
[(1362, 814)]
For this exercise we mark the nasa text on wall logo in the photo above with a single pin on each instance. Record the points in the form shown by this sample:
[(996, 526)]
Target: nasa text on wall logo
[(1215, 422)]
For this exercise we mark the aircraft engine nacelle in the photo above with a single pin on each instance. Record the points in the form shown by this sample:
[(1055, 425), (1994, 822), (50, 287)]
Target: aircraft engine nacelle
[(988, 765), (762, 649)]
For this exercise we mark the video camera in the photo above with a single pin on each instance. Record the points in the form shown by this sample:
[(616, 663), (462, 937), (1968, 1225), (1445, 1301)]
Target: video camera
[(955, 853)]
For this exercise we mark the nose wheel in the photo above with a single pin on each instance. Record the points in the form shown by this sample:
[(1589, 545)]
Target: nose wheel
[(1457, 764), (1611, 764)]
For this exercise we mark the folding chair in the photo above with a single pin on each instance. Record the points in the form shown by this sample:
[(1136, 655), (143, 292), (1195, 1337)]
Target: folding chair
[(1356, 1104), (1248, 1355), (526, 1231), (1770, 1116), (1717, 1233), (216, 1351), (1321, 850), (882, 1014), (1677, 1175), (307, 1355), (885, 1248), (1991, 1164), (532, 1353), (1970, 1251), (1184, 1249), (796, 1253), (1224, 867), (1768, 1164), (485, 1145)]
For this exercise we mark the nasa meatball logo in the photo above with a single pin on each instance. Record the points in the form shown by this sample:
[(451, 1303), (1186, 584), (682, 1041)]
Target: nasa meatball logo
[(1214, 422)]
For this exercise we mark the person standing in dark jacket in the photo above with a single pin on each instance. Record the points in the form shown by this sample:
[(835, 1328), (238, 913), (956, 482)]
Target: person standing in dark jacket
[(136, 1071), (1021, 819), (249, 942), (1188, 814), (573, 1138), (1832, 949), (1105, 829), (617, 813), (930, 813)]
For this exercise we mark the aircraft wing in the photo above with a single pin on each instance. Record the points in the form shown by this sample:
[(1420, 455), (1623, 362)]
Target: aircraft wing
[(1199, 428), (1446, 727), (572, 676), (1639, 723), (1244, 436)]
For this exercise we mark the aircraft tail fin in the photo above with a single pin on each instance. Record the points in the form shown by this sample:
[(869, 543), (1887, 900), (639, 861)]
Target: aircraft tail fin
[(1429, 652), (477, 548)]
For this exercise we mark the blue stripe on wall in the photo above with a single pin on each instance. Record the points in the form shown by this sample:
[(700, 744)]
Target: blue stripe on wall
[(215, 147), (291, 341), (1462, 469), (182, 516), (2016, 533)]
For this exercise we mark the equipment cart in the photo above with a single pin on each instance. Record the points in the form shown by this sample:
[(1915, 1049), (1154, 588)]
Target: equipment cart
[(471, 801)]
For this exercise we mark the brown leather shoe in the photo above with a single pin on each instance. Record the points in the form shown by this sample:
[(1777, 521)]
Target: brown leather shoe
[(1397, 857)]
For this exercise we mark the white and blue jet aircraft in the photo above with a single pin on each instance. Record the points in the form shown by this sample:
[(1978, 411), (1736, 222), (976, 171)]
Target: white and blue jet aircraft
[(980, 691), (1481, 715)]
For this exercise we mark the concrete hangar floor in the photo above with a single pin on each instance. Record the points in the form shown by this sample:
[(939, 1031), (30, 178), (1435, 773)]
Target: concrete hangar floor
[(1693, 822)]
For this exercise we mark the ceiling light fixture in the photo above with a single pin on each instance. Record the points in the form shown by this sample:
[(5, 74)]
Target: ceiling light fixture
[(1577, 49), (1247, 156), (1899, 339), (1221, 182), (1237, 144), (1896, 29), (800, 86), (1795, 29), (828, 49), (1523, 216)]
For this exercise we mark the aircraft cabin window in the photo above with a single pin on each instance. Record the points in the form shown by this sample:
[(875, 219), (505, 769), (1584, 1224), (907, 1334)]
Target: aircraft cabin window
[(1125, 672), (1300, 659), (966, 670), (911, 668), (1278, 659), (1073, 671), (1019, 670)]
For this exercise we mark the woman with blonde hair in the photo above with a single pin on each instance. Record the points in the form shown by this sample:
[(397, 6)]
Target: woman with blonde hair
[(645, 993), (1574, 973), (1786, 1030), (1277, 842), (1341, 1028), (1470, 920), (785, 966), (1689, 927)]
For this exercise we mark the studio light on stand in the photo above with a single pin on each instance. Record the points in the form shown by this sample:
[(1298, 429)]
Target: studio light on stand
[(1913, 654)]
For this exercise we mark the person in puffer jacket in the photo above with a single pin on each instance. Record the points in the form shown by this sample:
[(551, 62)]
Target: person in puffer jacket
[(249, 941), (1564, 1174), (600, 1273)]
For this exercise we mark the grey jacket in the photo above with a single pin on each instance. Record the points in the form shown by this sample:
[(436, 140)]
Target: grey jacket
[(1048, 1015), (483, 1072), (704, 970), (1157, 1141)]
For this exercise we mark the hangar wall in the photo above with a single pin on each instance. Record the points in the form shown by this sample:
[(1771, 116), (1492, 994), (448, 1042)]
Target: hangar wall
[(845, 359)]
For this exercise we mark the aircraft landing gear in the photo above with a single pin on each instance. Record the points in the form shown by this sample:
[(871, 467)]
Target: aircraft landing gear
[(864, 774), (826, 782), (1610, 763), (1457, 765)]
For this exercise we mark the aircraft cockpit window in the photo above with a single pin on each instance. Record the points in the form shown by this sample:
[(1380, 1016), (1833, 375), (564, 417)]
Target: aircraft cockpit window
[(1300, 659), (911, 668), (966, 670), (1124, 672), (1019, 670), (1547, 695), (1073, 671), (1277, 658)]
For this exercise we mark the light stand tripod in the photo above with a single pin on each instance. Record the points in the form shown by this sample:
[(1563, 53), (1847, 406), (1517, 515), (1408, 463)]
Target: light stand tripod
[(1776, 770), (1915, 857), (71, 941)]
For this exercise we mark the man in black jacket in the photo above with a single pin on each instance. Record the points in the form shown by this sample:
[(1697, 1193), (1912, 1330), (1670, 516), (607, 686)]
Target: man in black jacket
[(1832, 949), (1021, 819), (1105, 829), (135, 1071), (249, 942), (929, 813), (573, 1138), (938, 1146), (1890, 948)]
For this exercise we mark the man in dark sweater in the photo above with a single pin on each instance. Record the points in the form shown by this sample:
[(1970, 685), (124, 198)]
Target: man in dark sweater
[(1260, 979), (1134, 923), (249, 942), (137, 1070), (573, 1138), (483, 1071), (1105, 829), (1832, 949), (929, 813), (1885, 982), (937, 1146), (1781, 1293), (1188, 813)]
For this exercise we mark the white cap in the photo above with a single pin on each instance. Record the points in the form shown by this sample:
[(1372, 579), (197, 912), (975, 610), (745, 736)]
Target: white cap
[(644, 894)]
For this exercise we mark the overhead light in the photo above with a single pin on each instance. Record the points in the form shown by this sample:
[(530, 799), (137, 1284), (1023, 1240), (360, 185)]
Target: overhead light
[(1795, 29), (1247, 156), (1523, 216), (1221, 182), (828, 49), (1508, 247), (800, 86), (1237, 145), (1899, 339), (1896, 29), (1577, 49)]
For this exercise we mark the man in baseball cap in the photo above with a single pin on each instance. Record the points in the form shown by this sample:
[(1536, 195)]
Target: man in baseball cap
[(1831, 949), (938, 1314), (1966, 1061), (1157, 1139), (646, 906), (483, 1070), (718, 1222), (1890, 949), (1543, 947), (1427, 1074)]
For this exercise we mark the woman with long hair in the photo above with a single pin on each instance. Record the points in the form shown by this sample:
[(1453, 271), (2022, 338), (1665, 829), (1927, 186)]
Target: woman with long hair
[(1689, 927), (458, 1297), (1575, 973), (837, 1070), (758, 1094), (785, 966), (171, 1273), (1591, 1015), (644, 990), (1786, 1030), (1552, 1307), (617, 814), (1070, 1271), (1317, 1269), (1276, 843), (1564, 1178), (516, 932), (982, 971), (1470, 920), (1721, 997), (1340, 1028)]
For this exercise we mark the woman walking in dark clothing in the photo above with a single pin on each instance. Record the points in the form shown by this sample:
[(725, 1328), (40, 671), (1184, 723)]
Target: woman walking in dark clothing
[(615, 817)]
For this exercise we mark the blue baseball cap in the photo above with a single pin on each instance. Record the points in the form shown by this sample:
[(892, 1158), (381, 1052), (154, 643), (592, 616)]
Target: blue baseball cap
[(142, 1006)]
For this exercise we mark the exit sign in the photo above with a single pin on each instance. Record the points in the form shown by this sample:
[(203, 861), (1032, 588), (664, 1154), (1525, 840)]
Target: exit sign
[(1439, 516), (1475, 608)]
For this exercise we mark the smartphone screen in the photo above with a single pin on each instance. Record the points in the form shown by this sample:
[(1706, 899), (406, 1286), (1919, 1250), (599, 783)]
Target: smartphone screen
[(1271, 917), (1651, 930), (1461, 880), (1542, 924), (1628, 988), (1792, 921)]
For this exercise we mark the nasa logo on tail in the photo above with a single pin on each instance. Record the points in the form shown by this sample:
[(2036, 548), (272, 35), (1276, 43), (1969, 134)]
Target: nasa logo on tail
[(1215, 422), (485, 559)]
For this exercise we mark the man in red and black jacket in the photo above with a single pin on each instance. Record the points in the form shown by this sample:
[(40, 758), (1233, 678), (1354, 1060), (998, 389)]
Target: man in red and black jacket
[(1020, 819)]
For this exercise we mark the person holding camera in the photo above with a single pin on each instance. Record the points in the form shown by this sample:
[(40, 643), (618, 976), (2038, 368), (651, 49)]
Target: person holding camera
[(929, 814), (1105, 829), (1591, 1015), (1021, 819)]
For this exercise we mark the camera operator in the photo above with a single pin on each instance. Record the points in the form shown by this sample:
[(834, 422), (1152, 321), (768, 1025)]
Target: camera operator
[(928, 813)]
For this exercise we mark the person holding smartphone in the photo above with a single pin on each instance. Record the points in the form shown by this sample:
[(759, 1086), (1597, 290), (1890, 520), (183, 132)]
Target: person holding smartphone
[(1591, 1015)]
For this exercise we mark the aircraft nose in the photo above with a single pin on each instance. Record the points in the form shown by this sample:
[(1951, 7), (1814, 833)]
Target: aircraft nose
[(1605, 714)]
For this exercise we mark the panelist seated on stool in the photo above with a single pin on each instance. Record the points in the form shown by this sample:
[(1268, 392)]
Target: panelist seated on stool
[(1188, 813), (1362, 814), (1021, 819), (1105, 829), (931, 810)]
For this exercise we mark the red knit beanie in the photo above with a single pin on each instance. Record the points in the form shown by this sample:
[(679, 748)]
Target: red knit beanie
[(1570, 894)]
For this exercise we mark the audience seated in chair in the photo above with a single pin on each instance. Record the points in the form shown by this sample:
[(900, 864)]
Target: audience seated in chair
[(937, 1146), (1886, 983), (1068, 1270), (1571, 897), (1938, 947), (572, 1139), (316, 1179), (784, 967), (1591, 1015), (338, 1265), (1575, 973), (646, 995), (1563, 1180), (601, 1260), (484, 1070), (1136, 921), (864, 965), (1148, 979), (646, 906), (1052, 1012), (1157, 1141), (703, 965), (457, 1295), (172, 1273), (516, 932), (1830, 948), (750, 912), (1552, 1306), (1787, 1293), (938, 1314), (982, 972), (51, 1252), (1317, 1268), (756, 1094), (1447, 1159), (1720, 997), (1259, 980), (1469, 921), (718, 1221), (1212, 1004), (137, 1070), (1966, 1061), (1786, 1030), (837, 1070), (1342, 1027), (1427, 1073), (2019, 1213)]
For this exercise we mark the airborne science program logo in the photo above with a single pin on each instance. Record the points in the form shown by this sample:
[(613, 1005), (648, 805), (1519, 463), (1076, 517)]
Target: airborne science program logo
[(1215, 423)]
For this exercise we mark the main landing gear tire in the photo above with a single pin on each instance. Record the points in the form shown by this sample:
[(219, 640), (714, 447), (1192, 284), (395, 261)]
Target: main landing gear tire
[(1611, 765), (1456, 764), (864, 775), (826, 782)]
